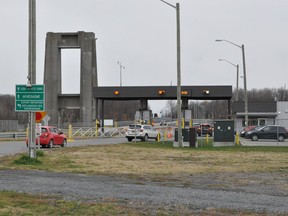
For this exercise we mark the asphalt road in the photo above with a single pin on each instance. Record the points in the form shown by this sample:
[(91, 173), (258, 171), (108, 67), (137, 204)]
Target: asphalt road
[(13, 147)]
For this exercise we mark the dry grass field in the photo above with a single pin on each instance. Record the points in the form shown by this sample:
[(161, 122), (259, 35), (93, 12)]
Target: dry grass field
[(157, 159), (221, 167)]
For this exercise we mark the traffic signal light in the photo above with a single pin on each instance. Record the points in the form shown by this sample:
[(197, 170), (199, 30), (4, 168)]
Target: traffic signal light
[(161, 92)]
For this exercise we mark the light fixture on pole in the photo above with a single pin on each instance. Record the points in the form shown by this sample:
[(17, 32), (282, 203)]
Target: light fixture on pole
[(121, 67), (245, 77), (179, 116), (237, 77)]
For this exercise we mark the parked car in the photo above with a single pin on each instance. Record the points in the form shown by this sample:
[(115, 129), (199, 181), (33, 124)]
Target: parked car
[(204, 129), (51, 136), (248, 128), (142, 132), (268, 132)]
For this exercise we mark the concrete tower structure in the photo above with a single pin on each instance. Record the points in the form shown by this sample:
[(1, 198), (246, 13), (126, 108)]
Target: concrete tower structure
[(55, 100)]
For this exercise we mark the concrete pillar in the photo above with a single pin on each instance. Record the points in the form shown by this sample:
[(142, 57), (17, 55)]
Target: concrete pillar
[(88, 74), (52, 76)]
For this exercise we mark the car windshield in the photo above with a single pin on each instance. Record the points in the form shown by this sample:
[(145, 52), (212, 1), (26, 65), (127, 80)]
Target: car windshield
[(259, 128), (133, 126)]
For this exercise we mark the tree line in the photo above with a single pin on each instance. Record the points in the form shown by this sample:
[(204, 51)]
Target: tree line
[(125, 110)]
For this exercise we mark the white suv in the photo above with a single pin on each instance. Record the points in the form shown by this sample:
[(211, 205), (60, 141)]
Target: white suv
[(143, 132)]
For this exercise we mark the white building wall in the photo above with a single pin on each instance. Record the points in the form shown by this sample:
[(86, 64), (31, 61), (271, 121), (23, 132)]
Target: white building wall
[(282, 110)]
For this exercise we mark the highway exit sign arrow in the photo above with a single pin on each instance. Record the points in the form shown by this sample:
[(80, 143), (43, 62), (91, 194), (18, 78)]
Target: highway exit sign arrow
[(30, 99)]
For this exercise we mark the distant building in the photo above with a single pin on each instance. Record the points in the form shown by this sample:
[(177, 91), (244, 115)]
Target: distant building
[(261, 113)]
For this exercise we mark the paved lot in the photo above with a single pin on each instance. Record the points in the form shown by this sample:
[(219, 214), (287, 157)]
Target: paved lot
[(14, 147), (262, 142)]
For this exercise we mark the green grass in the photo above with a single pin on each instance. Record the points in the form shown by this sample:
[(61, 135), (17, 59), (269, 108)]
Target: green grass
[(26, 160), (12, 203), (22, 204)]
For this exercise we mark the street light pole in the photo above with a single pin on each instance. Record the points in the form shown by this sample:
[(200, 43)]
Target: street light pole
[(179, 116), (237, 77), (121, 67), (245, 78)]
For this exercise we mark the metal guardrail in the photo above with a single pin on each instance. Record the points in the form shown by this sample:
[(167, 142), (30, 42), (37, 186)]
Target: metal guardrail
[(112, 132), (86, 132), (12, 135)]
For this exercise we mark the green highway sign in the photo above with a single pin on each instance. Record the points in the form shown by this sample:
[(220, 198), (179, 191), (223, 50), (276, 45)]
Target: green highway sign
[(30, 99)]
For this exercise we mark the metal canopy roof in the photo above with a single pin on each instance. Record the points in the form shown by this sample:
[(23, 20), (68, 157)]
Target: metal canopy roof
[(162, 92)]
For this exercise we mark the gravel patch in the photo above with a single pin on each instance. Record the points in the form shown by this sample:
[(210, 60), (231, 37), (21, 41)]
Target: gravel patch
[(259, 193)]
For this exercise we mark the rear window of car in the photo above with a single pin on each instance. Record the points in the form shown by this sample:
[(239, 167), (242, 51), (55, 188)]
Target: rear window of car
[(133, 126), (147, 127)]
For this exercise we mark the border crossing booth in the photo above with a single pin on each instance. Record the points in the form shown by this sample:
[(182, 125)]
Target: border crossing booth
[(145, 116)]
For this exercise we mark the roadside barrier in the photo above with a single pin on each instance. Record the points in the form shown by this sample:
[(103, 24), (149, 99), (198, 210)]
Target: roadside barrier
[(86, 132)]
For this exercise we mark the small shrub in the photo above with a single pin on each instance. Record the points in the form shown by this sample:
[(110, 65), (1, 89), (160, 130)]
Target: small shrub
[(25, 160), (40, 153)]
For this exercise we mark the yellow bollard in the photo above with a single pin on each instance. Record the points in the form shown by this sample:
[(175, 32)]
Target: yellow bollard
[(165, 135), (158, 137), (237, 138), (96, 128), (115, 124), (27, 132), (190, 123), (207, 138), (183, 123), (70, 138)]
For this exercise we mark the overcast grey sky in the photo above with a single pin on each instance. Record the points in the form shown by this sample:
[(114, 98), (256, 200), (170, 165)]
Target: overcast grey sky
[(141, 34)]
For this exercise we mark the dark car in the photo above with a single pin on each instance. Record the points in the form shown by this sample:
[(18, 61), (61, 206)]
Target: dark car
[(51, 136), (249, 128), (204, 129), (268, 132)]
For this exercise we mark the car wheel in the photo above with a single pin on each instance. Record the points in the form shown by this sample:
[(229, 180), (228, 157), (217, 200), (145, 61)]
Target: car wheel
[(145, 138), (254, 138), (130, 139), (50, 145), (64, 143), (281, 138)]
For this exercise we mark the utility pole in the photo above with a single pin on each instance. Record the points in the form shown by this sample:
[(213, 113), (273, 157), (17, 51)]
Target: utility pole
[(32, 74)]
